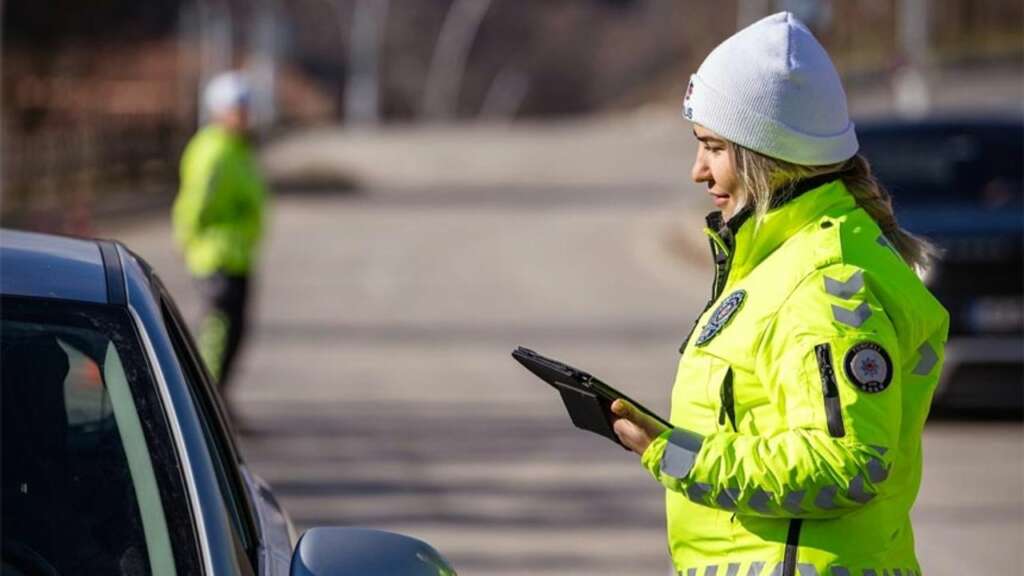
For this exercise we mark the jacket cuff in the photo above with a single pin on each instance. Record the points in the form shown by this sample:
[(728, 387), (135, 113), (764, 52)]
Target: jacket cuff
[(680, 453), (651, 458)]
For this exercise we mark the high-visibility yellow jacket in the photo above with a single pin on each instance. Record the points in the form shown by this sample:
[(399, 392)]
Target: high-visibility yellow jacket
[(800, 399), (218, 214)]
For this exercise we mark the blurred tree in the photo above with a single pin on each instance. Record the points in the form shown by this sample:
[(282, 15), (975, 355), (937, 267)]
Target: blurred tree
[(448, 64), (55, 21), (362, 90)]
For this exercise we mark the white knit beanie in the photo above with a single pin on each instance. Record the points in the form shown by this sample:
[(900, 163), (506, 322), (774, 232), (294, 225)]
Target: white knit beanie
[(225, 91), (771, 87)]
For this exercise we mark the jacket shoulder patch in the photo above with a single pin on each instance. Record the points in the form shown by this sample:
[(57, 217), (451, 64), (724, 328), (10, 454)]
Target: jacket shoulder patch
[(868, 367)]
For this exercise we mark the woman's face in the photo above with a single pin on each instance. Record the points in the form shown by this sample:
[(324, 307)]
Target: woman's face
[(715, 167)]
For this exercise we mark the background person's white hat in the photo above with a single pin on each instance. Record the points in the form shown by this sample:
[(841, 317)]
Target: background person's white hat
[(771, 87), (226, 91)]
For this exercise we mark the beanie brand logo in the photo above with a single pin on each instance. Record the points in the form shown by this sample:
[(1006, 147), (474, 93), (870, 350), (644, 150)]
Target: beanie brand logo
[(687, 109)]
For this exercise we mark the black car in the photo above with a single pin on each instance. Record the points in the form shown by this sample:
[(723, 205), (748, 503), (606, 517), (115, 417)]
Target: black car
[(117, 457), (958, 182)]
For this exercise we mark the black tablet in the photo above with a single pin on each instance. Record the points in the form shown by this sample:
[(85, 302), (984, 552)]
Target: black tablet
[(587, 399)]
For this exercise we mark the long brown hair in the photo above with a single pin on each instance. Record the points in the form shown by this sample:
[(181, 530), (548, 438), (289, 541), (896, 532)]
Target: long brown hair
[(762, 177)]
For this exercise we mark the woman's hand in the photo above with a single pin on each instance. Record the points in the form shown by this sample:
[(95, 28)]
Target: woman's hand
[(634, 428)]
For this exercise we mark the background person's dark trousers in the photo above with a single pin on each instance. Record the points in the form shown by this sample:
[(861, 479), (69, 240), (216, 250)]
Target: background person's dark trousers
[(223, 325)]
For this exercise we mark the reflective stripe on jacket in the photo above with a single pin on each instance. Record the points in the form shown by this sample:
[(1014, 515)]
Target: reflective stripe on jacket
[(800, 399), (218, 214)]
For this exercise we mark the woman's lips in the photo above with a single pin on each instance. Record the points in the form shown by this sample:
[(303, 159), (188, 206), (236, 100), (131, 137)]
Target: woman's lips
[(720, 200)]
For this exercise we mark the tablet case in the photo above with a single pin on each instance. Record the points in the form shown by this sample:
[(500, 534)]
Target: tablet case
[(587, 399)]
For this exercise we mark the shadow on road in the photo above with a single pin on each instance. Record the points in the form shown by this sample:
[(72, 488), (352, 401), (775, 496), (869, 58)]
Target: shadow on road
[(457, 469)]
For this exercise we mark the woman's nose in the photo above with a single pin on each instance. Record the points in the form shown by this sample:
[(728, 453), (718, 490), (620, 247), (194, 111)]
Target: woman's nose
[(700, 171)]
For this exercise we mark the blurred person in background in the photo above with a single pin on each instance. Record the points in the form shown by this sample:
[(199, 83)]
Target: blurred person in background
[(803, 389), (218, 220)]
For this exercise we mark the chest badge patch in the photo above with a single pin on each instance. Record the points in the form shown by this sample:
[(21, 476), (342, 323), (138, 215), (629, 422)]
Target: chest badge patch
[(721, 316), (868, 367)]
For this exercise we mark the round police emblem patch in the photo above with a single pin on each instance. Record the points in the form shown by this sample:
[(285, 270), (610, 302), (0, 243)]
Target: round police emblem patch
[(868, 366), (721, 316)]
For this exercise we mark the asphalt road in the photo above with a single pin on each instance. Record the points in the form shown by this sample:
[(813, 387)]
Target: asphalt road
[(380, 387)]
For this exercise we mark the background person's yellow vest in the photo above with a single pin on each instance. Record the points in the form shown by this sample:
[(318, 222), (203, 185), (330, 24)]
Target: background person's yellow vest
[(800, 400), (218, 214)]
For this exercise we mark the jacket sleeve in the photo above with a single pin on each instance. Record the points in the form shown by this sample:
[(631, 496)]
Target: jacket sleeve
[(829, 363), (201, 176)]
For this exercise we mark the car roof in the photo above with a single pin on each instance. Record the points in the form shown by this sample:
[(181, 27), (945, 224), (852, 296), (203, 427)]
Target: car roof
[(942, 122), (48, 266)]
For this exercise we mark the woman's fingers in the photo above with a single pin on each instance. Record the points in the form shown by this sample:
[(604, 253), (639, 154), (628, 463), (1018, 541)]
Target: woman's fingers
[(622, 409), (634, 428), (624, 428), (631, 435)]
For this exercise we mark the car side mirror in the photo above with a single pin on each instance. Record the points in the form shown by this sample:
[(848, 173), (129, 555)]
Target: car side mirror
[(335, 551)]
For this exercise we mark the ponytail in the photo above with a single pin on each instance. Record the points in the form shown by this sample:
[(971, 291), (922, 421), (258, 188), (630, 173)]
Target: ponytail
[(874, 199), (762, 178)]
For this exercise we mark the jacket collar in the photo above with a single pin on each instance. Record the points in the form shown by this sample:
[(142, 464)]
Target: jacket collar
[(750, 241), (226, 135)]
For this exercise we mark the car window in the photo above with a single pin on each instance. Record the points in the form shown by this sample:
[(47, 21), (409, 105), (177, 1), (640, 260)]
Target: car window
[(83, 492), (218, 438), (976, 166)]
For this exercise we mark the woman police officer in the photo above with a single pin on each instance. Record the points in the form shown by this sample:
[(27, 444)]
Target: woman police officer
[(801, 393)]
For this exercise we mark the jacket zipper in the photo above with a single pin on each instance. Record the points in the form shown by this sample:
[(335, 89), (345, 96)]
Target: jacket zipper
[(723, 260), (830, 391), (792, 547)]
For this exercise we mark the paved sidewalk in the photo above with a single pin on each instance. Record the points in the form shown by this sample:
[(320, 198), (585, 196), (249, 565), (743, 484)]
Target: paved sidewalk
[(650, 148)]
